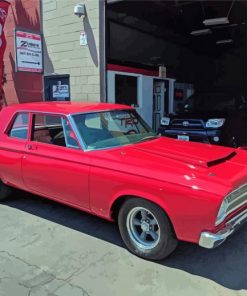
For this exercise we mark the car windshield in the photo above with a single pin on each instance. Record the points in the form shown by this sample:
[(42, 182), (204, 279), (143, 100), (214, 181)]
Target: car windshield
[(208, 102), (100, 130)]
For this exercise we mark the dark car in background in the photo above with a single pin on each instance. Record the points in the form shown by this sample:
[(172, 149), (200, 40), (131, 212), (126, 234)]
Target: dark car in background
[(212, 117)]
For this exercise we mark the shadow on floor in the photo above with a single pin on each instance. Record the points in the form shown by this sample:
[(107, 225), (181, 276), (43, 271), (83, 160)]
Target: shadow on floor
[(225, 265)]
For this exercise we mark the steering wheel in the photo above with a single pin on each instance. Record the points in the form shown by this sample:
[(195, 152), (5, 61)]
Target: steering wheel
[(59, 135), (130, 132)]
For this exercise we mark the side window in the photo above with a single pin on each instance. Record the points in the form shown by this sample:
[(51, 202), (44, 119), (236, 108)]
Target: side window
[(19, 128), (46, 128), (70, 137), (54, 130)]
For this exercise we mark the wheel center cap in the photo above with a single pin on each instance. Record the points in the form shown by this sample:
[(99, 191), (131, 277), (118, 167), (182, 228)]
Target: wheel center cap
[(145, 226)]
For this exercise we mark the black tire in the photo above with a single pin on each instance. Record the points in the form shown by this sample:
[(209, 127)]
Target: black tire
[(5, 191), (156, 249)]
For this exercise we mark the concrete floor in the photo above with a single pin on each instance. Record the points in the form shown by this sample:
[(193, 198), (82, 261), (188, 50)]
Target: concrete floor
[(50, 249)]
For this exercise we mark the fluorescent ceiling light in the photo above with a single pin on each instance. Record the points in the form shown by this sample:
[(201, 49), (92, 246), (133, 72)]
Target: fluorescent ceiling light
[(201, 32), (225, 26), (224, 41), (216, 21)]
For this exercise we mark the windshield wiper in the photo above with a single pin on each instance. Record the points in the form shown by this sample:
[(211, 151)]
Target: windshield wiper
[(148, 138)]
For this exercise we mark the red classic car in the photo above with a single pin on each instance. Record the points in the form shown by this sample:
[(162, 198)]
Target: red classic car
[(104, 159)]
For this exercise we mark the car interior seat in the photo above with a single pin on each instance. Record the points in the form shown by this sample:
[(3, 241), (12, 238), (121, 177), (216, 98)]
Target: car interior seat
[(42, 135)]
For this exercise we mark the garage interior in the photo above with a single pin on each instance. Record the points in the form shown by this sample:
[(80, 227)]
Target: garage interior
[(201, 44)]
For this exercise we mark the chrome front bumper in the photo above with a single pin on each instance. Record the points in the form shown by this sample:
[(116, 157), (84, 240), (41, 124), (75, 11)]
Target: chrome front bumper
[(211, 240)]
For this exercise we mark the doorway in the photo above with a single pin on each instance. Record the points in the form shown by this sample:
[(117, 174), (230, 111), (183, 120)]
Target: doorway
[(160, 101)]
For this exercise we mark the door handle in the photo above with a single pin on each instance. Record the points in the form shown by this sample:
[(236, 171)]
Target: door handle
[(32, 147)]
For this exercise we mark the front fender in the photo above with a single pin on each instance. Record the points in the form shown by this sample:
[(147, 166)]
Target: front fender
[(190, 209)]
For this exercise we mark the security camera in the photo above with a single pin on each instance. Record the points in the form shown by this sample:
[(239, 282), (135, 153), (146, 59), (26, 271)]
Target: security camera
[(80, 10)]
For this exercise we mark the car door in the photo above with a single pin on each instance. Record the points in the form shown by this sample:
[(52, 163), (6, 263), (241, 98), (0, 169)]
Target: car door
[(53, 166), (12, 147)]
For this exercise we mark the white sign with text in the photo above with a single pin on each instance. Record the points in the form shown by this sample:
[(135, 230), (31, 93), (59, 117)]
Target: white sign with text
[(60, 91), (29, 54)]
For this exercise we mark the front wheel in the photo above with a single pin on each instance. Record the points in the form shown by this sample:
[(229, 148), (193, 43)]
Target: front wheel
[(5, 191), (146, 229)]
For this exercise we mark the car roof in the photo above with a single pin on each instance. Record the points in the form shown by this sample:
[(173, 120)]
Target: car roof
[(66, 107)]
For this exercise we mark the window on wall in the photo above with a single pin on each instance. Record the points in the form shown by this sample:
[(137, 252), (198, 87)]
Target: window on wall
[(126, 90)]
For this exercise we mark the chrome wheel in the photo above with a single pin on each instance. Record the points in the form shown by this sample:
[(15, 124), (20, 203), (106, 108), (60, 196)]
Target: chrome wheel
[(143, 228)]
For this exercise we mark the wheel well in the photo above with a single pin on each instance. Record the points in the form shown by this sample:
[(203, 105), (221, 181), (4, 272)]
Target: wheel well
[(117, 205), (121, 200)]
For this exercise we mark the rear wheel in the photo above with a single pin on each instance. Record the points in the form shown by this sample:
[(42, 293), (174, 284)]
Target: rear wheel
[(146, 230), (5, 191)]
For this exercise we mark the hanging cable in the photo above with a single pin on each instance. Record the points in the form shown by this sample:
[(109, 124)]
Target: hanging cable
[(203, 9), (233, 2)]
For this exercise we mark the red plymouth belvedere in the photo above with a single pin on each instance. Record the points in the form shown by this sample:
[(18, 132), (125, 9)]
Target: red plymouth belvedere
[(104, 159)]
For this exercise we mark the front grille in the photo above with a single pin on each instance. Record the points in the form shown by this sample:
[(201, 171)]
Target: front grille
[(191, 124), (237, 198), (193, 138)]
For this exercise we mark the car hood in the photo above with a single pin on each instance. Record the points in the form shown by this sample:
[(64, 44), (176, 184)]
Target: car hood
[(188, 152), (208, 167)]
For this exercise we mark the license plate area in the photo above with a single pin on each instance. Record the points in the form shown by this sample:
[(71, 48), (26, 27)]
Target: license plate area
[(183, 138)]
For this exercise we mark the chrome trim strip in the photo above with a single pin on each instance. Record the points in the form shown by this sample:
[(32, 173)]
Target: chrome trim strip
[(74, 127), (81, 141), (233, 195), (240, 187), (41, 112), (212, 240), (78, 135), (103, 110), (237, 219), (234, 198), (237, 198), (64, 131), (236, 207)]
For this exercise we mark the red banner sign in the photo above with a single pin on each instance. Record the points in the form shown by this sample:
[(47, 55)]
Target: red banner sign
[(4, 5)]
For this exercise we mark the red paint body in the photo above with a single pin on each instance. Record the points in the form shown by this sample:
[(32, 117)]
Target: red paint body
[(188, 180), (118, 68)]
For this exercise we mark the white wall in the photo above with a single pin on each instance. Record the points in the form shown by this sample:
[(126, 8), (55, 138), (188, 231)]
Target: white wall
[(63, 53), (144, 93)]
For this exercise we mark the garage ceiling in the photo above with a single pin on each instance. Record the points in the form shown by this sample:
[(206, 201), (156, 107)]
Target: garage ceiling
[(182, 21)]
